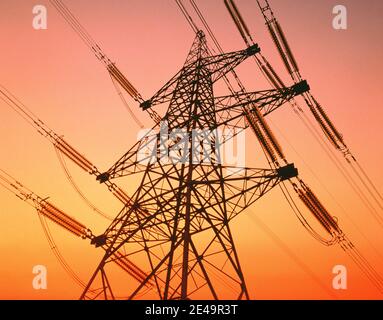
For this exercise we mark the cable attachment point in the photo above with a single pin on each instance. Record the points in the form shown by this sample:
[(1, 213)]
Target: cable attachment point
[(287, 172)]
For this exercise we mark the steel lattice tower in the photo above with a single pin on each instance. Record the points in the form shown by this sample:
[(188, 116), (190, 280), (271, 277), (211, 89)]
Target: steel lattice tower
[(179, 217), (173, 234)]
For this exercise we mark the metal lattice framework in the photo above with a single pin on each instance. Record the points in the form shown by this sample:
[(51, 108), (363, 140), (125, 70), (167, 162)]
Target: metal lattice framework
[(173, 234), (179, 216)]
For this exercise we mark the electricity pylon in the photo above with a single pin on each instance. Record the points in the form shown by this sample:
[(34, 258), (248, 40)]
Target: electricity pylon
[(178, 220)]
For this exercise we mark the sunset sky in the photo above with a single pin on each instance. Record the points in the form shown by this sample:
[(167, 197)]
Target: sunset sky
[(54, 74)]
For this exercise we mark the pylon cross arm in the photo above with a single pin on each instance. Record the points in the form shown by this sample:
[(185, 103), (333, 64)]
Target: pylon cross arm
[(266, 101), (221, 64), (230, 108), (244, 186), (216, 67)]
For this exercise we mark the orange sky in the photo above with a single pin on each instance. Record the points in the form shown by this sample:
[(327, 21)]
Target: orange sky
[(57, 77)]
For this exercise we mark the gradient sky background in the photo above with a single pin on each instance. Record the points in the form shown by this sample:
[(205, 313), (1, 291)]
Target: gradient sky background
[(57, 77)]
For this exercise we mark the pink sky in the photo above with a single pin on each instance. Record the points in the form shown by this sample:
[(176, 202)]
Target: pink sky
[(56, 76)]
